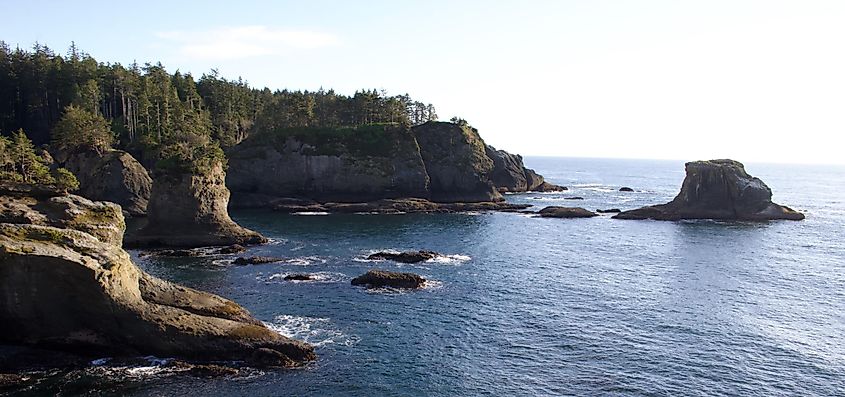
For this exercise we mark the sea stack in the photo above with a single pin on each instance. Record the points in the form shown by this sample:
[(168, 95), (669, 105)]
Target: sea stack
[(190, 210), (67, 285), (717, 189)]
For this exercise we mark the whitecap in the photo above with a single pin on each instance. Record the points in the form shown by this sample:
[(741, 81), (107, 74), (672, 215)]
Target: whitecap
[(100, 361), (311, 213), (313, 330), (457, 258), (304, 261), (319, 277)]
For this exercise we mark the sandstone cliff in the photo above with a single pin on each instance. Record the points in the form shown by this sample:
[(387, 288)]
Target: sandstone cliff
[(717, 189), (111, 176), (190, 210), (66, 284)]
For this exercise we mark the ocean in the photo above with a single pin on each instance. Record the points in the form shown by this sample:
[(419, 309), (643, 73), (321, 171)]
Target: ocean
[(523, 306)]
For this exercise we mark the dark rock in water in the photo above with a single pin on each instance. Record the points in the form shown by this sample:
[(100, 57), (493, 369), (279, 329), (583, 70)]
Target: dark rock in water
[(610, 211), (188, 210), (398, 206), (625, 189), (404, 257), (204, 370), (68, 285), (113, 175), (573, 198), (548, 187), (566, 212), (232, 249), (383, 278), (178, 253), (299, 277), (717, 189), (255, 260), (270, 358)]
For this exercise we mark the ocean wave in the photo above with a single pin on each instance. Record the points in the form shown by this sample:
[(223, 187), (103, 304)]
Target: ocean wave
[(319, 277), (456, 258), (307, 213), (304, 261), (429, 285), (313, 330)]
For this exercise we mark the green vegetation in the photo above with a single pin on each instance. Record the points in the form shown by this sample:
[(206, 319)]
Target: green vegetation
[(80, 128), (19, 163), (171, 120)]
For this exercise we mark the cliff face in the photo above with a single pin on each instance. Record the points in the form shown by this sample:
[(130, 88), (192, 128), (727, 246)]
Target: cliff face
[(510, 175), (717, 189), (113, 176), (442, 162), (457, 163), (345, 165), (66, 284), (189, 210)]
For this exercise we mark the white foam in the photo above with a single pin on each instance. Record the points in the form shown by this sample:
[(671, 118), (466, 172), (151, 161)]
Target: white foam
[(304, 261), (457, 258), (313, 330), (311, 213), (319, 277)]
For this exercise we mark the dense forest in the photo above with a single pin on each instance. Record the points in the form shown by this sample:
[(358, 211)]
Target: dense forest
[(74, 100)]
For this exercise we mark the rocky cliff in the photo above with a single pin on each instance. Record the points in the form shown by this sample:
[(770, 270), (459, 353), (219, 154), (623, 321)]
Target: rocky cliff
[(344, 165), (441, 162), (190, 210), (717, 189), (510, 174), (456, 161), (66, 284), (111, 176)]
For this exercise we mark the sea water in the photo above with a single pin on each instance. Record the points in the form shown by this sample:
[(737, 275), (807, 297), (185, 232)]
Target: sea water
[(538, 307)]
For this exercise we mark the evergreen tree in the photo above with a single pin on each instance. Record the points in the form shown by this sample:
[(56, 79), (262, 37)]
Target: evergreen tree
[(81, 128)]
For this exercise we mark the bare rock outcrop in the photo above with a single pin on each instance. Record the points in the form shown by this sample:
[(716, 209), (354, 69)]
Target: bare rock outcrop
[(190, 210), (717, 189), (110, 176), (66, 285)]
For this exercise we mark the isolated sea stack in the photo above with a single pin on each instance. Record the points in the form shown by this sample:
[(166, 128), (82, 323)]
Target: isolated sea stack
[(189, 209), (113, 175), (718, 189), (67, 284)]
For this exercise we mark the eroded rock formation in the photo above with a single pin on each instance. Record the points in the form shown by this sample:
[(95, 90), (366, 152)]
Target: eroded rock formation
[(190, 210), (65, 283), (717, 189)]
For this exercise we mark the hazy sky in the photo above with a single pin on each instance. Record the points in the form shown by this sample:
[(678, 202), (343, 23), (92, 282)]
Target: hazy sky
[(750, 80)]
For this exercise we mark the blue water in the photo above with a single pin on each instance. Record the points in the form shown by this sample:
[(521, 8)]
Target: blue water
[(538, 307)]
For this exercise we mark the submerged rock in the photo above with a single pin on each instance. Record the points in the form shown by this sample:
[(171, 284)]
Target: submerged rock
[(717, 189), (232, 249), (610, 211), (566, 212), (573, 198), (190, 210), (404, 257), (255, 260), (383, 278), (299, 277), (204, 370), (113, 175), (625, 189), (67, 287)]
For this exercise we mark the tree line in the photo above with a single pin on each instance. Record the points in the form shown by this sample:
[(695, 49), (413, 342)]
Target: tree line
[(73, 100)]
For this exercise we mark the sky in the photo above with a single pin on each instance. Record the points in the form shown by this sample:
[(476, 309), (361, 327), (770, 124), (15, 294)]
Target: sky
[(757, 81)]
